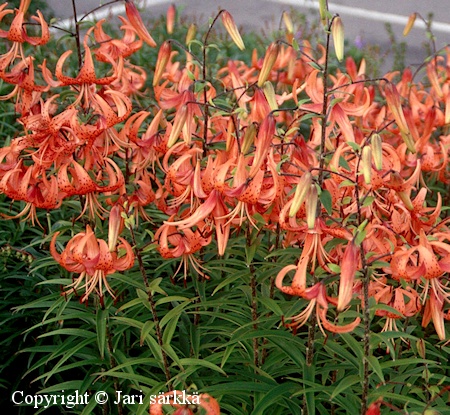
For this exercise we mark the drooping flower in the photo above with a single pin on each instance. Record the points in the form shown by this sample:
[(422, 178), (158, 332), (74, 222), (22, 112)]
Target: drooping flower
[(86, 78), (183, 243), (18, 35), (93, 260)]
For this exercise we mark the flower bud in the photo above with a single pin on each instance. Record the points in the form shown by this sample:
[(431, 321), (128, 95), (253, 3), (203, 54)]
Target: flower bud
[(269, 60), (311, 206), (349, 266), (170, 18), (230, 134), (115, 226), (301, 191), (289, 27), (190, 35), (409, 24), (232, 29), (366, 161), (288, 22), (136, 21), (434, 80), (269, 93), (323, 10), (178, 123), (395, 106), (249, 138), (161, 62), (421, 348), (337, 31), (377, 151)]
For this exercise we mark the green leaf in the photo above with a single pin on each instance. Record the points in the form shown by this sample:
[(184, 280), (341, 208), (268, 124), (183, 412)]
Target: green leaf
[(343, 163), (347, 183), (271, 305), (145, 331), (334, 268), (170, 328), (201, 362), (308, 377), (326, 200), (368, 201), (280, 392), (69, 332), (376, 367), (355, 146), (174, 313), (101, 318), (344, 384)]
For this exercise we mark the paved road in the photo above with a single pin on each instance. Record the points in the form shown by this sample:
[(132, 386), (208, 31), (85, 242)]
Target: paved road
[(362, 19)]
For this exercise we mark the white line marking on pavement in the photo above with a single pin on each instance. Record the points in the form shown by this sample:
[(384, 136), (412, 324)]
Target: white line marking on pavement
[(313, 4), (368, 14)]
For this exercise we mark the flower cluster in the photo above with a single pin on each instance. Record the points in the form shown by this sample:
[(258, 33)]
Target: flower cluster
[(337, 164)]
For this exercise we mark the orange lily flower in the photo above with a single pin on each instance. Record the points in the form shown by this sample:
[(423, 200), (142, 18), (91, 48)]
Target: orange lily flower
[(341, 109), (177, 243), (421, 260), (319, 301), (112, 47), (83, 184), (86, 77), (31, 185), (93, 260), (183, 180), (404, 301), (18, 35), (144, 149), (26, 91), (143, 195)]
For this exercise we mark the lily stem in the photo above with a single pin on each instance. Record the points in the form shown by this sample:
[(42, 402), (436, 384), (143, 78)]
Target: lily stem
[(254, 304), (77, 34), (366, 311), (151, 300)]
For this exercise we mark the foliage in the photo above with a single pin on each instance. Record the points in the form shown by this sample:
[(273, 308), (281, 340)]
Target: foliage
[(267, 231)]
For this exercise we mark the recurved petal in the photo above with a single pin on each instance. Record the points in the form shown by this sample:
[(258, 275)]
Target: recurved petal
[(433, 311), (45, 32), (281, 276), (334, 328), (53, 251), (200, 214)]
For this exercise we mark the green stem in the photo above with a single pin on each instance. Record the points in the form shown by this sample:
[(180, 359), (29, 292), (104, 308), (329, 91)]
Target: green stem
[(77, 34), (254, 303), (152, 303), (366, 311)]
